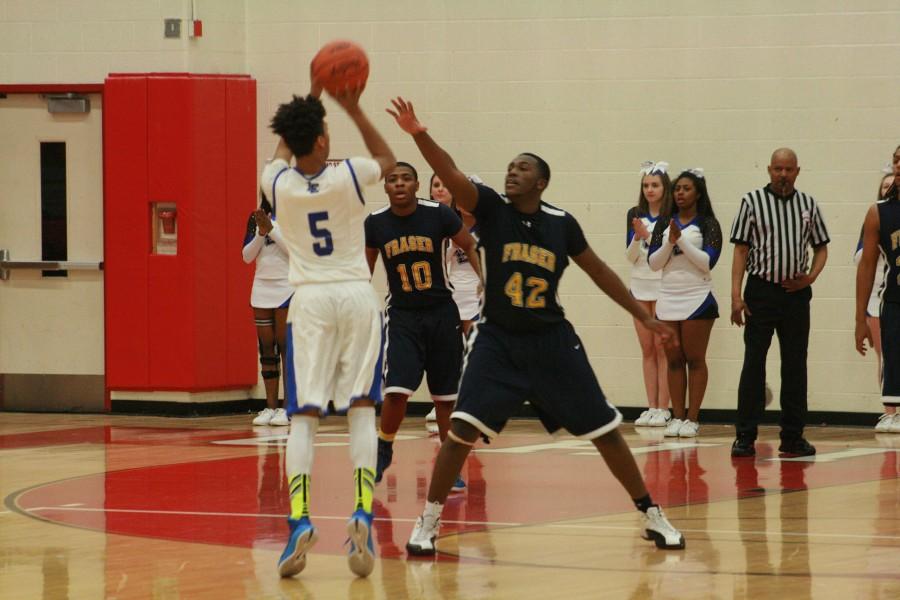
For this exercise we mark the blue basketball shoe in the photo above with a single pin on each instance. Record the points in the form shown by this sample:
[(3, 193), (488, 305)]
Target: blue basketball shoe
[(362, 550), (303, 537), (459, 485)]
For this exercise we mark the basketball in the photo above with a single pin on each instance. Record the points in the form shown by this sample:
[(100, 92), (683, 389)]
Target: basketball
[(339, 65)]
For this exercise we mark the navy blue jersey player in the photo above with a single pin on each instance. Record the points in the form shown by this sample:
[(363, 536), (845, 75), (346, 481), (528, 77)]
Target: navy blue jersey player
[(881, 236), (422, 326), (524, 348)]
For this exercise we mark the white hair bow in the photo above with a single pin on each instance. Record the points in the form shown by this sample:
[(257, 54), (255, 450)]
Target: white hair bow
[(696, 171), (648, 167)]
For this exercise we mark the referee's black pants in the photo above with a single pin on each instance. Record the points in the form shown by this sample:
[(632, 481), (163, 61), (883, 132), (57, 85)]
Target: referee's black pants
[(774, 310)]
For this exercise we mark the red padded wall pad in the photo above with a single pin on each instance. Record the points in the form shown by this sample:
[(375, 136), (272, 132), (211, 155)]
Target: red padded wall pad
[(172, 305), (241, 193), (197, 331), (126, 231), (208, 124)]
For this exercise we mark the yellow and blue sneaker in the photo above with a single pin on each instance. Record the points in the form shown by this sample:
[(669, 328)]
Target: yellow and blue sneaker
[(362, 549), (303, 537)]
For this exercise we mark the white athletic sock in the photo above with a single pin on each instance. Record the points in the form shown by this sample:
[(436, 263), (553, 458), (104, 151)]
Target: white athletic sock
[(363, 437), (299, 457), (433, 509)]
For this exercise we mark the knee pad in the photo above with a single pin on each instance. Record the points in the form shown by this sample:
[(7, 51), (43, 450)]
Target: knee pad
[(269, 367)]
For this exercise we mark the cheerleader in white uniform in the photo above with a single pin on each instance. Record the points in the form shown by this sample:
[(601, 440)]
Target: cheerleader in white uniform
[(685, 248), (464, 278), (655, 198), (270, 298), (887, 422)]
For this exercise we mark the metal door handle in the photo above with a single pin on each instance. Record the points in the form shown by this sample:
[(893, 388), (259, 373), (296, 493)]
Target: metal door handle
[(7, 265)]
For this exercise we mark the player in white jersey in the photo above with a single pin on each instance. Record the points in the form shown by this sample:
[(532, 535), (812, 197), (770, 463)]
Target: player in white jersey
[(655, 198), (888, 422), (465, 277), (269, 298), (334, 322), (686, 249)]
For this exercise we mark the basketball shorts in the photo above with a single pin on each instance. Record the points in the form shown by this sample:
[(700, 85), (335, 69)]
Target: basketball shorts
[(421, 340), (549, 368), (333, 346), (890, 352)]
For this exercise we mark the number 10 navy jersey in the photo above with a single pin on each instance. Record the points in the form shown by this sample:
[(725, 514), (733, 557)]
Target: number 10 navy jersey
[(525, 256), (412, 250)]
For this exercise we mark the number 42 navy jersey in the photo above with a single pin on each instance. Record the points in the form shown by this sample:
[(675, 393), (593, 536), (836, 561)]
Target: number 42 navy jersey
[(525, 256)]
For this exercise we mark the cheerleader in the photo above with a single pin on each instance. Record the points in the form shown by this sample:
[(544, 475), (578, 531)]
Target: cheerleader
[(889, 421), (685, 248), (654, 199), (269, 299)]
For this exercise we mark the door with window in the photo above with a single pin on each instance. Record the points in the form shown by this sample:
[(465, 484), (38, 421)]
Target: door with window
[(51, 202)]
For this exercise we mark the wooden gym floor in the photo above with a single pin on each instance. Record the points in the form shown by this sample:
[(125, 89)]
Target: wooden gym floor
[(137, 507)]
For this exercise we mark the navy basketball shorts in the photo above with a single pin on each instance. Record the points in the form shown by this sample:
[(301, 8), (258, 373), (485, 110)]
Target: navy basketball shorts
[(423, 340), (890, 352), (548, 368)]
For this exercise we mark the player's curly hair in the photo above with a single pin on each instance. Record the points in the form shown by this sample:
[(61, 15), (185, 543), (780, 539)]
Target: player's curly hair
[(299, 122)]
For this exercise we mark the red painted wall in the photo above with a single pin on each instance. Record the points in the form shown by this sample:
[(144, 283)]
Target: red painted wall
[(179, 322)]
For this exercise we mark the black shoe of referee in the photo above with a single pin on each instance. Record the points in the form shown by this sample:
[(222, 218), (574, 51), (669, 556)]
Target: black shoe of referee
[(743, 448), (796, 447)]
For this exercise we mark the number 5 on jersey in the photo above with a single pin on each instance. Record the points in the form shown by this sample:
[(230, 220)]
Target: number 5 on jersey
[(324, 244), (536, 287)]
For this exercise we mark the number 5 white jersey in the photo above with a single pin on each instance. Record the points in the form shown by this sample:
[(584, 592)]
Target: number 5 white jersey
[(321, 218)]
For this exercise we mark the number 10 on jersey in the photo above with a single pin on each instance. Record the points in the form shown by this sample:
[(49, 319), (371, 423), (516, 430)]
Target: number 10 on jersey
[(421, 275)]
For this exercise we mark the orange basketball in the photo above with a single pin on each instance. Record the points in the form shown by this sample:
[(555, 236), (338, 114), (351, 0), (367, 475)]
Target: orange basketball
[(340, 64)]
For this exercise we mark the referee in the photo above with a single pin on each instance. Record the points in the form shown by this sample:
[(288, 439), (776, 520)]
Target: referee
[(771, 232)]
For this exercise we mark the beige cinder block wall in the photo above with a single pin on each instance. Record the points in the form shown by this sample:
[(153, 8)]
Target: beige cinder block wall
[(598, 87)]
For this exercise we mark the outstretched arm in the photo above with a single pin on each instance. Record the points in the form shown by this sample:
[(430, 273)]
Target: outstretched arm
[(865, 275), (606, 279), (375, 144), (463, 190)]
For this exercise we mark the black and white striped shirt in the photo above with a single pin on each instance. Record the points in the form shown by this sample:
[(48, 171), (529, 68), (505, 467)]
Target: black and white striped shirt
[(779, 232)]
